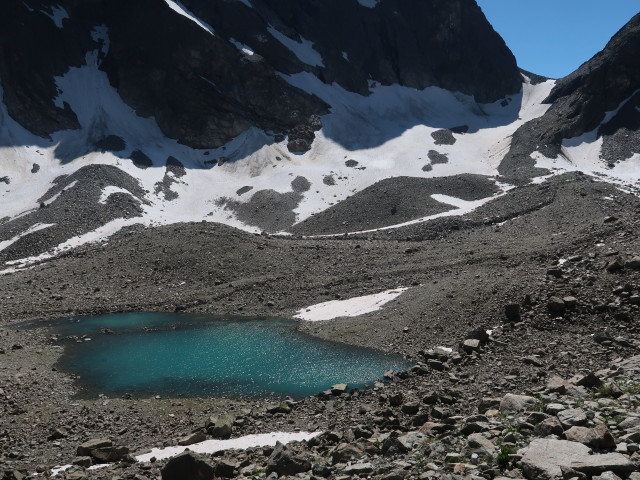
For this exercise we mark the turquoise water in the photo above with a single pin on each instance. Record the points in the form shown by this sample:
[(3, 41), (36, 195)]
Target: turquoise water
[(187, 355)]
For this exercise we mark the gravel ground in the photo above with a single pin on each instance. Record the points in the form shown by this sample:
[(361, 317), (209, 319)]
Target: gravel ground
[(556, 239)]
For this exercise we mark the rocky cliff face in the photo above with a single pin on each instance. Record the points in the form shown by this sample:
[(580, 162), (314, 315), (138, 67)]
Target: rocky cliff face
[(602, 96), (208, 70)]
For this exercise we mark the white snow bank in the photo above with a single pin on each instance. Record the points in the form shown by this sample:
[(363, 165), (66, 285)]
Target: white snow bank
[(32, 229), (368, 3), (177, 7), (58, 14), (352, 307), (241, 46), (303, 50), (110, 190), (212, 446)]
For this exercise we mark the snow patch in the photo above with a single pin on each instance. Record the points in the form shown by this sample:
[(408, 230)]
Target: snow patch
[(57, 14), (583, 154), (49, 201), (179, 8), (100, 34), (241, 443), (242, 47), (110, 190), (368, 3), (247, 3), (303, 50), (34, 228), (345, 55), (353, 307)]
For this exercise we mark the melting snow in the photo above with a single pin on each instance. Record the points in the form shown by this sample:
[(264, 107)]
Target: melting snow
[(177, 7), (212, 446), (303, 50), (389, 134), (34, 228), (57, 14), (241, 46), (110, 190), (368, 3), (353, 307)]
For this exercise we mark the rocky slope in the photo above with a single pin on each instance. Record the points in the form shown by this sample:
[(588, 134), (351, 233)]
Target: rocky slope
[(195, 51), (561, 287), (156, 152), (599, 100)]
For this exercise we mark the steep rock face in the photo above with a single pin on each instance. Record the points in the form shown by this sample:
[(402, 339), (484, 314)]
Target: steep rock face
[(599, 86), (602, 94), (207, 70), (415, 43)]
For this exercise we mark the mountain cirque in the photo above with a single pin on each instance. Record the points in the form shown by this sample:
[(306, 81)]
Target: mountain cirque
[(258, 157)]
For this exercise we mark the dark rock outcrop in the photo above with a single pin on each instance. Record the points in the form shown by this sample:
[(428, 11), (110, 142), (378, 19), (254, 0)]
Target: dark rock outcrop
[(208, 78), (580, 102)]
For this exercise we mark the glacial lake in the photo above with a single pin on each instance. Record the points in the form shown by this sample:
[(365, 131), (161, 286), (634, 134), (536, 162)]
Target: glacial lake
[(178, 355)]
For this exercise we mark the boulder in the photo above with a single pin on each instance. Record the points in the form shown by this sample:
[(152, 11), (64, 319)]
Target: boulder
[(550, 426), (545, 457), (85, 449), (606, 476), (572, 417), (516, 403), (598, 464), (598, 437), (192, 438), (224, 469), (471, 345), (339, 388), (220, 426), (556, 306), (512, 311), (359, 469), (109, 454), (479, 333), (188, 465), (284, 462), (589, 380), (478, 443), (615, 265), (346, 452)]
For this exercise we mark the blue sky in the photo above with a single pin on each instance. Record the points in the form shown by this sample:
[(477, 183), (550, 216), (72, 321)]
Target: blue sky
[(554, 37)]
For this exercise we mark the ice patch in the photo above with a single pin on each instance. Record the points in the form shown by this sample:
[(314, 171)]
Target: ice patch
[(353, 307), (303, 50), (345, 55), (241, 443), (177, 7), (247, 3), (57, 14), (368, 3)]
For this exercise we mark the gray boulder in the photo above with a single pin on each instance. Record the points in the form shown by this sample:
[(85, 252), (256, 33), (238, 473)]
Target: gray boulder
[(545, 457), (598, 464), (284, 462), (85, 449), (188, 465), (220, 426), (516, 403)]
